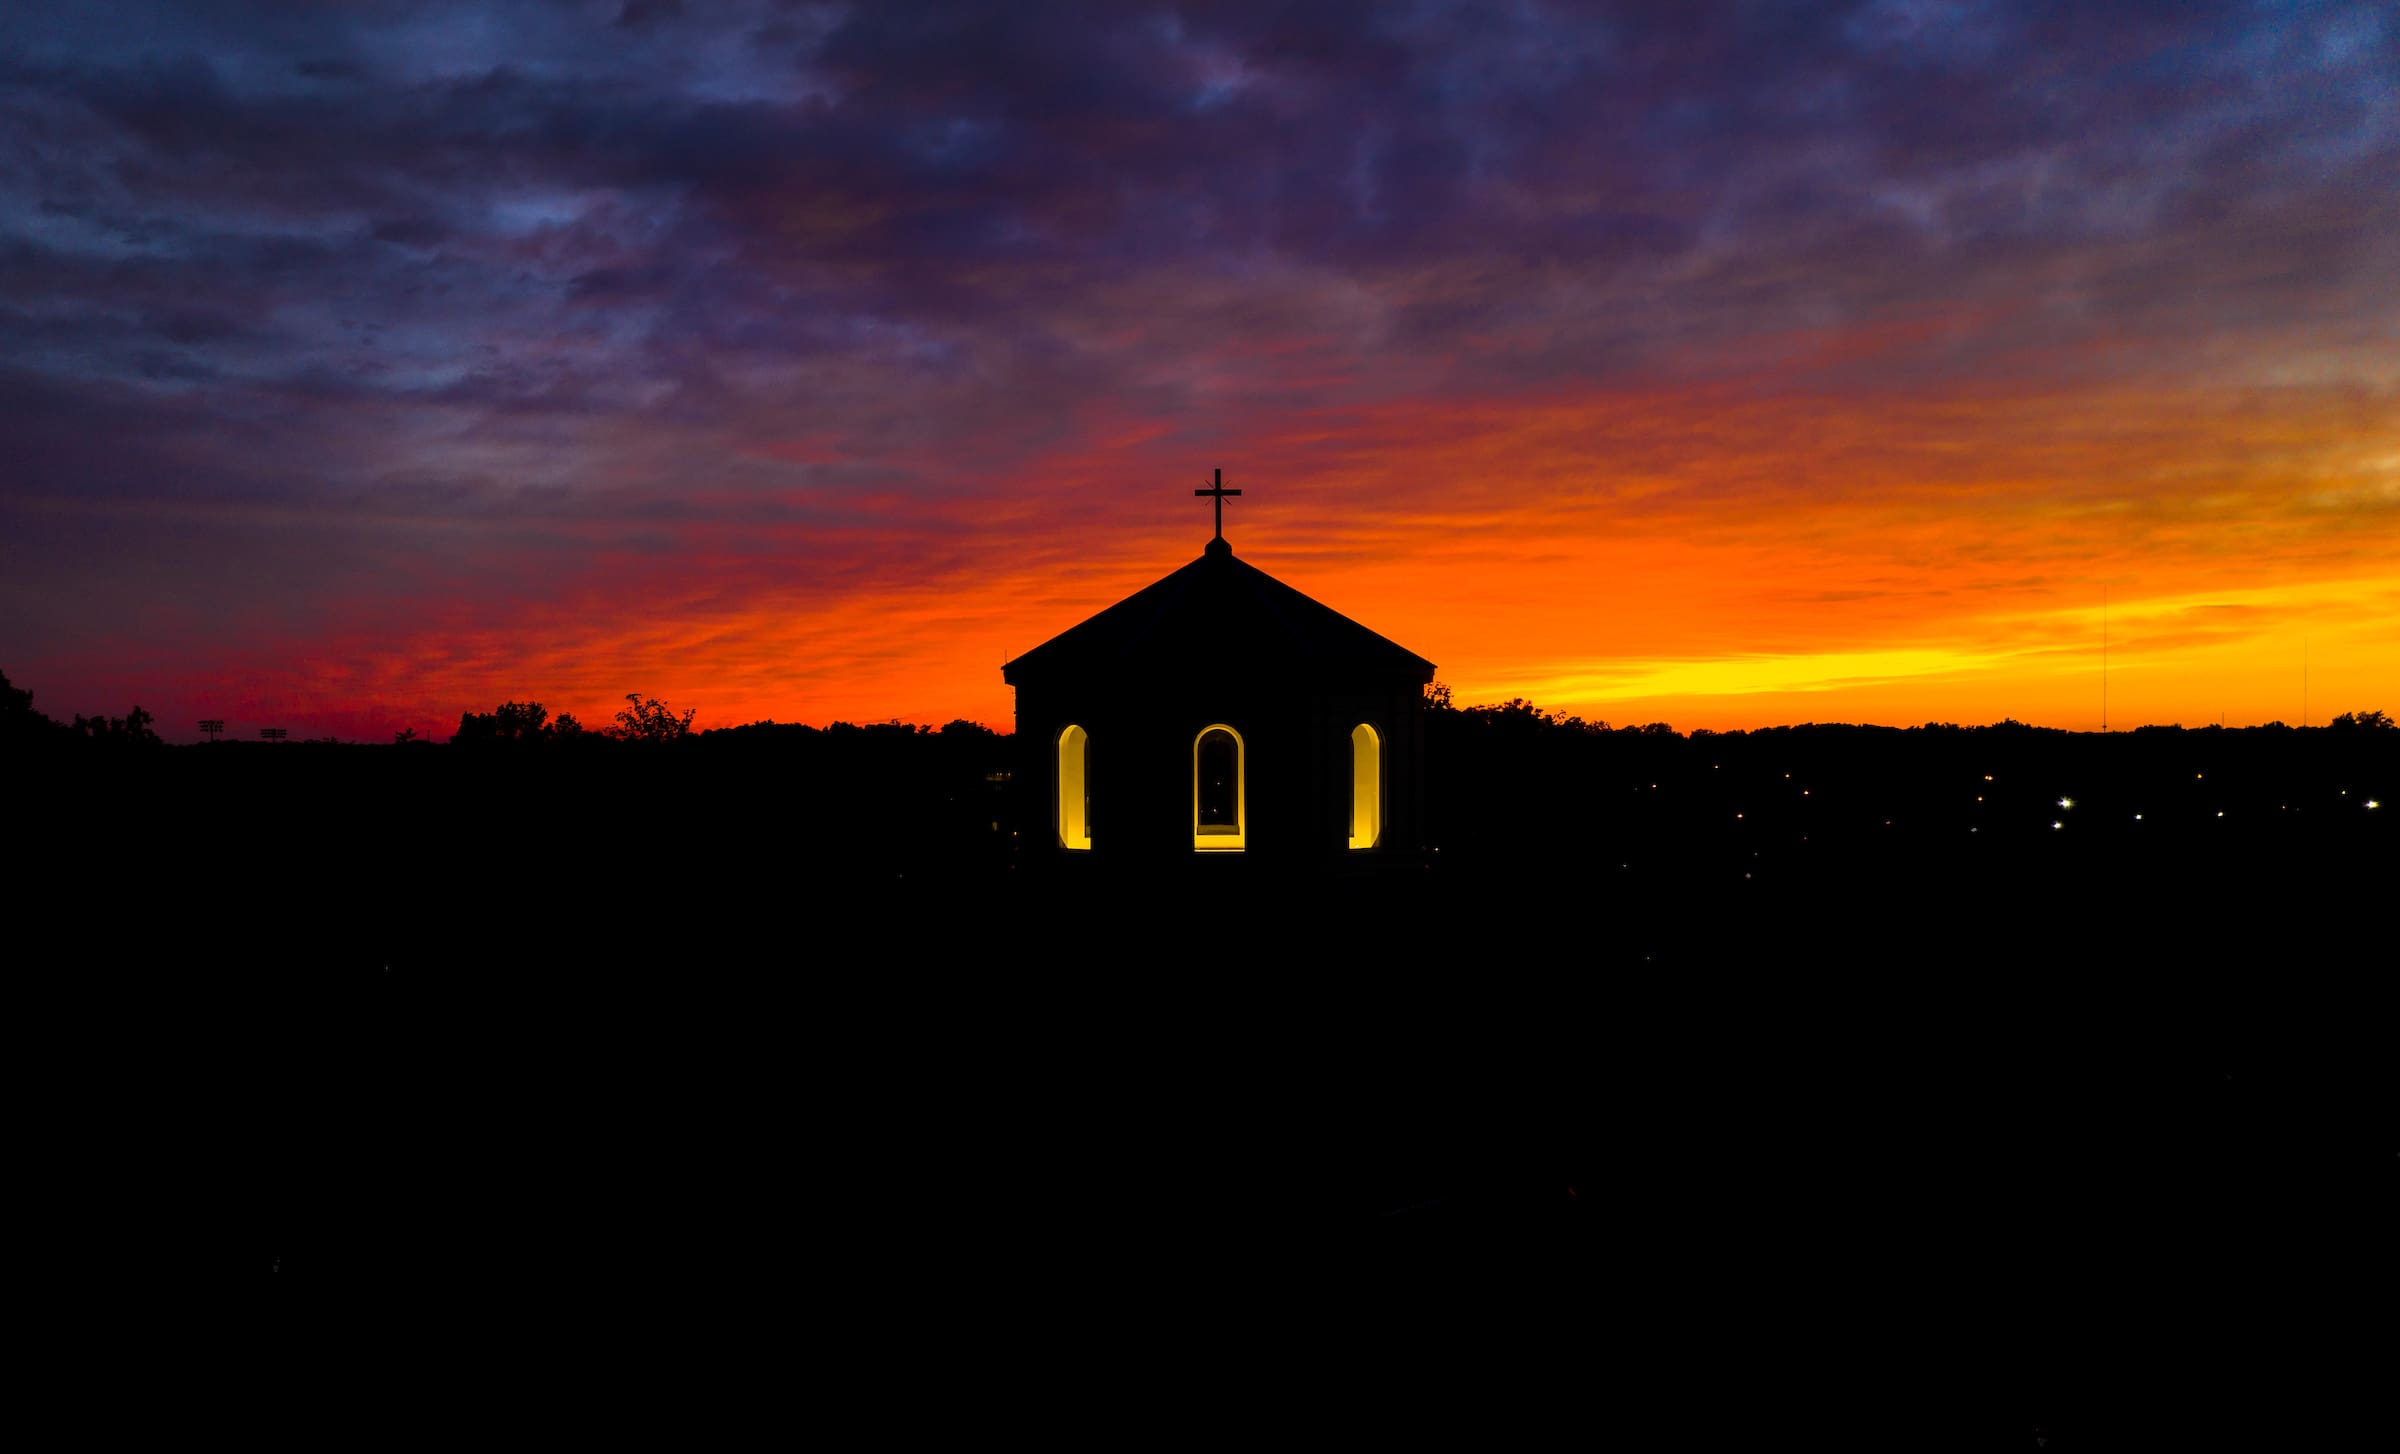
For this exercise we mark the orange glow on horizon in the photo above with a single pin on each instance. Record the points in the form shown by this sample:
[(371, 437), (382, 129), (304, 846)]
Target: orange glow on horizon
[(1704, 558)]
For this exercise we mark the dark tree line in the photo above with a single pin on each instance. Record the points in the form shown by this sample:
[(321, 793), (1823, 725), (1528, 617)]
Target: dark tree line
[(21, 725), (520, 1011), (644, 719)]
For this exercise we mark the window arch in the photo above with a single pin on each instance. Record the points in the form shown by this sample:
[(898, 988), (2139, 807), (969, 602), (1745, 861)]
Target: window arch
[(1074, 789), (1220, 793), (1366, 786)]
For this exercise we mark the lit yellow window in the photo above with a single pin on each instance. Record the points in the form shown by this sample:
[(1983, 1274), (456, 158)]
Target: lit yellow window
[(1074, 792), (1366, 786), (1218, 792)]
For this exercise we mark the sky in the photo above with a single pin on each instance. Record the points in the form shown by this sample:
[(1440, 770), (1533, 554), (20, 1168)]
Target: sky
[(1718, 365)]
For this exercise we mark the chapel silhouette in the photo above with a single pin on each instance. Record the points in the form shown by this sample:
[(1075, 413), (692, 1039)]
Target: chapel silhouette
[(1219, 712)]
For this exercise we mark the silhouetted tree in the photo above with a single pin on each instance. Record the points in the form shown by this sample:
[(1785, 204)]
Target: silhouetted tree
[(1515, 711), (2363, 722), (515, 722), (650, 720), (404, 736), (132, 729), (19, 723)]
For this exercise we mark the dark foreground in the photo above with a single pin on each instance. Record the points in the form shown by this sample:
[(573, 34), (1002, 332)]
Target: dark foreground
[(1832, 1124)]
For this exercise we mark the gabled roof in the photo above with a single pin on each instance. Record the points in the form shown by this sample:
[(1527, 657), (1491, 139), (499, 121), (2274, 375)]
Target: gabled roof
[(1217, 612)]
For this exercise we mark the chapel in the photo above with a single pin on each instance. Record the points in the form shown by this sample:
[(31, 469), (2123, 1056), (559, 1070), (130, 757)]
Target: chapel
[(1219, 711)]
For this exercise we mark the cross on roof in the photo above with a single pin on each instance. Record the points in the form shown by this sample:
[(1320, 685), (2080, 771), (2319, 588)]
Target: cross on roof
[(1220, 492)]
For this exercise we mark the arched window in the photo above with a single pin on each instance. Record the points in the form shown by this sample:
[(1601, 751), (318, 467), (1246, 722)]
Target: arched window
[(1218, 792), (1366, 786), (1074, 790)]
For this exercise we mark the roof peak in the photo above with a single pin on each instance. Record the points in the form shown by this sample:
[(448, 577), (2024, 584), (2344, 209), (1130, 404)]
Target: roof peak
[(1212, 615)]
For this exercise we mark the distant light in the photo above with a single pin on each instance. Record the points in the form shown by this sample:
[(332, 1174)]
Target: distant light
[(2372, 803), (2058, 825), (2066, 802), (2199, 774), (1987, 777), (1804, 792), (2137, 817), (2220, 814)]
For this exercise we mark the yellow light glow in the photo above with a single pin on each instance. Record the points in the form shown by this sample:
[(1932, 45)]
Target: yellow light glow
[(1222, 837), (2373, 804), (1366, 786), (1742, 676), (2066, 802), (2191, 633), (1074, 795)]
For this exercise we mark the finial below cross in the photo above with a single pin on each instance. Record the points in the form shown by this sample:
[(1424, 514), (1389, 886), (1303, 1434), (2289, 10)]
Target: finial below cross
[(1220, 492)]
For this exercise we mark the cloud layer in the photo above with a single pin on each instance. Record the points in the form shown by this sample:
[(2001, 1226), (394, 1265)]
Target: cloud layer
[(360, 364)]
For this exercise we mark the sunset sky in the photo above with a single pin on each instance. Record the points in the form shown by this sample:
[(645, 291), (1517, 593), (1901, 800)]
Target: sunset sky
[(1720, 365)]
